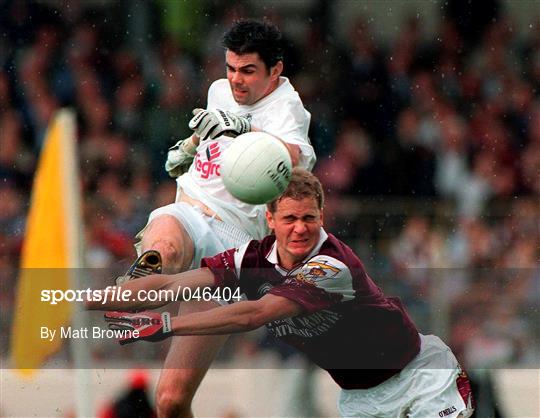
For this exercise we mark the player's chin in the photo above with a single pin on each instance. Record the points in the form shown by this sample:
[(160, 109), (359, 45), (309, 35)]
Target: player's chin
[(300, 248), (241, 97)]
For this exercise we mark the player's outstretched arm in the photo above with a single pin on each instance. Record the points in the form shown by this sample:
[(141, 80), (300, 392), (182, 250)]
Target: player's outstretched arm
[(238, 317), (294, 152), (133, 295)]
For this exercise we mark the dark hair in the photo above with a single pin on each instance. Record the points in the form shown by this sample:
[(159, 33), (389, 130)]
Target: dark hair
[(248, 36), (303, 185)]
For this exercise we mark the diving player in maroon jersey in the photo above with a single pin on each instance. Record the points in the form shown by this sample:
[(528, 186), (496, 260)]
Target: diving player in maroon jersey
[(313, 292)]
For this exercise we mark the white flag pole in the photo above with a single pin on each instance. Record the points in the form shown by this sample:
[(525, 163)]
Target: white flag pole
[(79, 348)]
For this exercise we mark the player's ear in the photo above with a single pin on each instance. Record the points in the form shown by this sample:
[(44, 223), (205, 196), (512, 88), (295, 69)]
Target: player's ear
[(276, 70), (269, 219), (322, 217)]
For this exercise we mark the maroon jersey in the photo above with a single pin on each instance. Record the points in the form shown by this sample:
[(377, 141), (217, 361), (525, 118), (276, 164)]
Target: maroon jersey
[(348, 327)]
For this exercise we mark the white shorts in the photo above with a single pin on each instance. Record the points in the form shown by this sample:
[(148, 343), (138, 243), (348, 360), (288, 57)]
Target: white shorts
[(209, 235), (426, 387)]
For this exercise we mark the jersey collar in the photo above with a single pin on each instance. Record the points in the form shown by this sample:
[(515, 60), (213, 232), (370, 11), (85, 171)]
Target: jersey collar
[(272, 256)]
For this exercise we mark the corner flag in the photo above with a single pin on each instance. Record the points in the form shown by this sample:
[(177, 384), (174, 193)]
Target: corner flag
[(52, 246)]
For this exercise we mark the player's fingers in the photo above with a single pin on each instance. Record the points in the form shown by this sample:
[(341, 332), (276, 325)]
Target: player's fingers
[(197, 111), (196, 120), (113, 315), (207, 125), (214, 132), (204, 137), (202, 133), (121, 326), (203, 128), (118, 316)]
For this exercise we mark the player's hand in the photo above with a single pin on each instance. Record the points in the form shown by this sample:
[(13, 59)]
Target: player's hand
[(180, 157), (215, 122), (151, 326)]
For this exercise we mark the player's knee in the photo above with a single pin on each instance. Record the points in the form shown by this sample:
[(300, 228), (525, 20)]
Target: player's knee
[(166, 235), (170, 253), (173, 402)]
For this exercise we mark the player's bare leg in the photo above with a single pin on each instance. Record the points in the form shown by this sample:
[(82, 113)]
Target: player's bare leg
[(187, 361), (188, 357), (168, 236)]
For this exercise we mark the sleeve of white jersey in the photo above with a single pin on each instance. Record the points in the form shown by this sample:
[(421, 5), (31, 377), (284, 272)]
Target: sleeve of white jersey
[(289, 120), (216, 95), (329, 274), (290, 123)]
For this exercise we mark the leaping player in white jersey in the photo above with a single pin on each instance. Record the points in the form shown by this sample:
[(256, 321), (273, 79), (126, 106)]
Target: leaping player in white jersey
[(206, 219)]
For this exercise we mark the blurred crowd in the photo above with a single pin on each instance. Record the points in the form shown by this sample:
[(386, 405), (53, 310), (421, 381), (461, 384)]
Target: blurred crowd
[(452, 118), (485, 276)]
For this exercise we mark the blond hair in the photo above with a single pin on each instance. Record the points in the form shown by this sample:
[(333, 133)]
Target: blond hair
[(303, 184)]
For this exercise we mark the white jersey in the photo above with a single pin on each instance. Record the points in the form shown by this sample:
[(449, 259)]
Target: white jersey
[(281, 114)]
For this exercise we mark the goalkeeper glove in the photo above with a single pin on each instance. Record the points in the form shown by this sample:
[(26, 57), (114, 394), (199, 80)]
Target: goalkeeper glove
[(180, 157), (215, 122), (151, 326)]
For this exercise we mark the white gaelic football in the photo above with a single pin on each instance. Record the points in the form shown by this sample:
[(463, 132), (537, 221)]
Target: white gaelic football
[(256, 168)]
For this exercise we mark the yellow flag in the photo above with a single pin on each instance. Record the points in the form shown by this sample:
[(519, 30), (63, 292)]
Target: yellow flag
[(52, 246)]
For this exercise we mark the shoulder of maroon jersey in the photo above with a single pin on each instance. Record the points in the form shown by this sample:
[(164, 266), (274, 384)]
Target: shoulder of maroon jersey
[(336, 248), (266, 243), (327, 273), (257, 251)]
